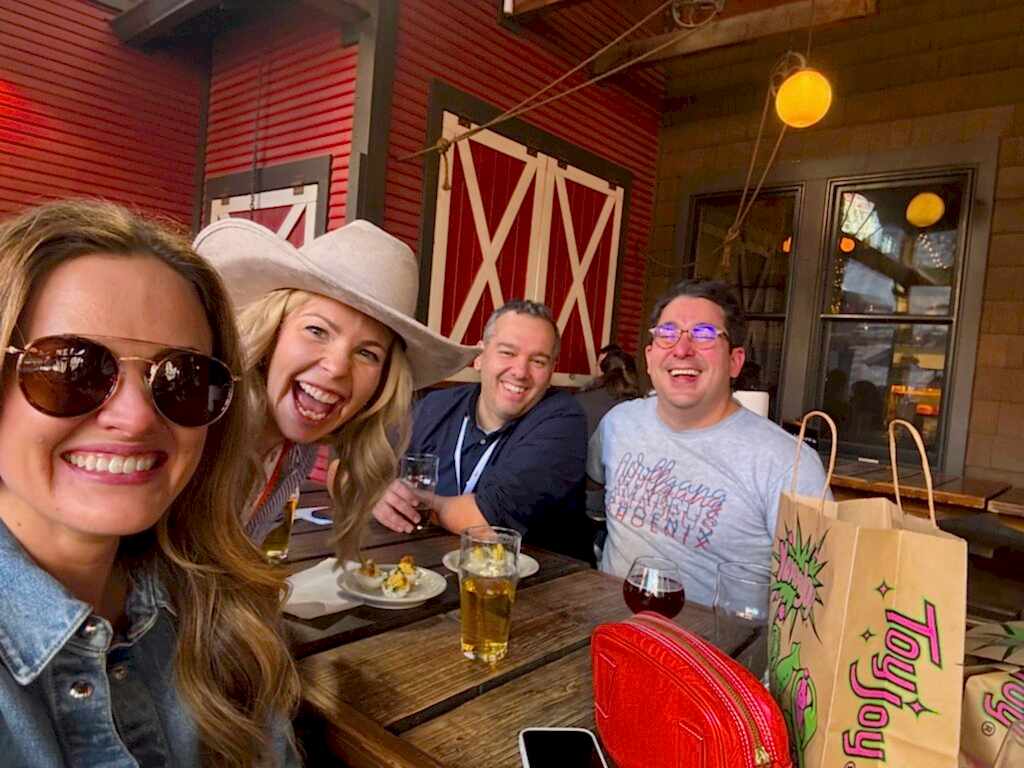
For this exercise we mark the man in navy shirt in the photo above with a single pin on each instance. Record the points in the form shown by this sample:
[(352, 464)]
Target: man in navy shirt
[(511, 451)]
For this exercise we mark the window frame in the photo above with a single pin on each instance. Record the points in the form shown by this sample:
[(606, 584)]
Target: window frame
[(804, 334), (690, 267)]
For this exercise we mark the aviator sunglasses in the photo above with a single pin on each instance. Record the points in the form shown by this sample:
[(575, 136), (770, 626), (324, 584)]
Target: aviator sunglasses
[(68, 376)]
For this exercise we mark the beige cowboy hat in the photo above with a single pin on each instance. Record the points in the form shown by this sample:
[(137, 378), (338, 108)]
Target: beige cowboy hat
[(358, 264)]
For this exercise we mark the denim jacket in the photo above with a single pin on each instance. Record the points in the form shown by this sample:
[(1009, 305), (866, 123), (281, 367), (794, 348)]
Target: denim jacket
[(73, 695)]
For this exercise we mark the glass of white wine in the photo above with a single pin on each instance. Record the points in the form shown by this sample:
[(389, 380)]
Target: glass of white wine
[(275, 546)]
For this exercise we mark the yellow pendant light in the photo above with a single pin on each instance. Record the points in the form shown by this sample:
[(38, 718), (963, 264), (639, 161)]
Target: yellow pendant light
[(803, 98), (924, 209)]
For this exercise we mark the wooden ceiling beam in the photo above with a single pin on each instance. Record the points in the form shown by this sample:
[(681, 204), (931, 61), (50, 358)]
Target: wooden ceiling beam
[(737, 29), (524, 10), (152, 19)]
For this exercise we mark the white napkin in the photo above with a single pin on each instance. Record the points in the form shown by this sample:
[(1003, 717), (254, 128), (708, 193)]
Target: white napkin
[(314, 592), (306, 513)]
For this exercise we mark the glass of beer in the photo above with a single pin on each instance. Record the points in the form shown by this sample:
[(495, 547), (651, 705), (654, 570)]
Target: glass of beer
[(419, 472), (275, 546), (654, 584), (488, 574)]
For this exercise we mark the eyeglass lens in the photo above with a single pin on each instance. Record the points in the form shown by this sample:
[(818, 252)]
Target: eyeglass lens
[(67, 376), (702, 334)]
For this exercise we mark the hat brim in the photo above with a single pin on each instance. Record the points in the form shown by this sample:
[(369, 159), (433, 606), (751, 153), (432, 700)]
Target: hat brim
[(253, 261)]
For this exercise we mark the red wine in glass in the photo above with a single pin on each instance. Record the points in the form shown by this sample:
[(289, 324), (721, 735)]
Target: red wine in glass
[(654, 584)]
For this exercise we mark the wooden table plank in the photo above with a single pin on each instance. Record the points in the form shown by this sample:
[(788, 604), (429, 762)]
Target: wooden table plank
[(1009, 502), (484, 731), (386, 678), (967, 493), (316, 635)]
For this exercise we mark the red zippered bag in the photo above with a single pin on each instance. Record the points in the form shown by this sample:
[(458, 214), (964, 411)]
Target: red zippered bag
[(666, 698)]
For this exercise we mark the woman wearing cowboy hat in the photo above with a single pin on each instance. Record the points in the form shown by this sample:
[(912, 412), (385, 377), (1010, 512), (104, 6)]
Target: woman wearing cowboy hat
[(327, 328)]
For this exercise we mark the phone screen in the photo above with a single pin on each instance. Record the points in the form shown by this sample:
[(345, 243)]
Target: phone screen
[(561, 749)]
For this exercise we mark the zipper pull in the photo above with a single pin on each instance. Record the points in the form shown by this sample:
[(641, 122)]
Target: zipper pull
[(761, 756)]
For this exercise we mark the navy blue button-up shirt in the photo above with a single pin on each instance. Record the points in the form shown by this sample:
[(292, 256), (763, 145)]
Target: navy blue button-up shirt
[(535, 478)]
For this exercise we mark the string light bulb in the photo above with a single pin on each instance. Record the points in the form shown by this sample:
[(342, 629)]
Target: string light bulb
[(847, 244), (924, 209), (804, 98)]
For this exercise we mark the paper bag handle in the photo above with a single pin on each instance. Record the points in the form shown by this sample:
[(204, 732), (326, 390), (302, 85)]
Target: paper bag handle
[(924, 464), (800, 444)]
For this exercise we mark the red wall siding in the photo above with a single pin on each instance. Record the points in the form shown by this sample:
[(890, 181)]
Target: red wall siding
[(461, 42), (306, 101), (81, 114)]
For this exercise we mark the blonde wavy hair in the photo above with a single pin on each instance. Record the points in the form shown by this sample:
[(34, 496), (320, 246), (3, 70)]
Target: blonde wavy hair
[(233, 670), (367, 445)]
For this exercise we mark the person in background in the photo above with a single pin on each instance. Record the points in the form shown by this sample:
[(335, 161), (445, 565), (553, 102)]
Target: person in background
[(511, 449), (138, 626), (689, 474), (618, 382), (606, 350), (329, 336)]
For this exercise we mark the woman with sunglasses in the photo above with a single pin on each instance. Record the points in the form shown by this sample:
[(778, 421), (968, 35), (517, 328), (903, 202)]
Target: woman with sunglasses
[(329, 336), (137, 625)]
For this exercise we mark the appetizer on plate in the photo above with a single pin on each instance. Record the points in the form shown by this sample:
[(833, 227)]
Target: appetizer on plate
[(396, 583), (369, 575)]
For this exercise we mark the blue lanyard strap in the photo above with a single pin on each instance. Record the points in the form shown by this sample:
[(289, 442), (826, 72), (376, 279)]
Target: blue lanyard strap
[(478, 470)]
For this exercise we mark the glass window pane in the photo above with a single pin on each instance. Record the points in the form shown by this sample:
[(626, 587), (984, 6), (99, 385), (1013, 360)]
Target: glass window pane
[(763, 367), (896, 248), (876, 372), (759, 264)]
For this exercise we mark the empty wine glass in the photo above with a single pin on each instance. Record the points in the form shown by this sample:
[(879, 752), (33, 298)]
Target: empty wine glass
[(741, 608), (654, 584)]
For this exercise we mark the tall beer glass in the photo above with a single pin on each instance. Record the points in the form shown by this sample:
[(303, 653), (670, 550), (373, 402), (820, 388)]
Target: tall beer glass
[(275, 546), (488, 574)]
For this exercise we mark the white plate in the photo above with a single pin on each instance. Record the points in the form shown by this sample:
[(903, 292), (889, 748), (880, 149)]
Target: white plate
[(428, 584), (527, 565)]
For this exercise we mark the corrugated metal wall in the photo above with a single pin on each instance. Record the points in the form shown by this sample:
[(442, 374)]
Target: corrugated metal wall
[(461, 42), (81, 114), (294, 65)]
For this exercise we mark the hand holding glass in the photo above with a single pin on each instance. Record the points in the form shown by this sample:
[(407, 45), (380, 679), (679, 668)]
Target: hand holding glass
[(488, 574), (419, 472), (654, 584)]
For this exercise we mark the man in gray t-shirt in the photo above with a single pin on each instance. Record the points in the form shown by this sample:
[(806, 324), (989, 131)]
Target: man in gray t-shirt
[(688, 473)]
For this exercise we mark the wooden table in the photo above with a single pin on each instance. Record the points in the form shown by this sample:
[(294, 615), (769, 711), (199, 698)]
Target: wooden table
[(391, 688)]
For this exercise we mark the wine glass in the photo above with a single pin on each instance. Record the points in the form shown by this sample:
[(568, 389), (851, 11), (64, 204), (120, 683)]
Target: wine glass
[(419, 472), (654, 584), (741, 609), (1011, 754)]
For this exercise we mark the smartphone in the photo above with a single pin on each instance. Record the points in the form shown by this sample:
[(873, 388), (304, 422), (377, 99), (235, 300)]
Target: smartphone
[(560, 748)]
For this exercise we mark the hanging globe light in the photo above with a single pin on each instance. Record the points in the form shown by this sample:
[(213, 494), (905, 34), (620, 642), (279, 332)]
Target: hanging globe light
[(803, 98), (924, 209)]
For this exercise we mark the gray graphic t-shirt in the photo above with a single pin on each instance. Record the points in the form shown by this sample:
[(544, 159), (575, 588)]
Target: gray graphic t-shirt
[(697, 497)]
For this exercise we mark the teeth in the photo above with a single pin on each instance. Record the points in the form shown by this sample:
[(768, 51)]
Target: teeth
[(310, 415), (513, 388), (320, 395), (115, 465), (684, 372)]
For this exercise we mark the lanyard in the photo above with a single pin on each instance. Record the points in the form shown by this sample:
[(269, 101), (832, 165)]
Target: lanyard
[(478, 470)]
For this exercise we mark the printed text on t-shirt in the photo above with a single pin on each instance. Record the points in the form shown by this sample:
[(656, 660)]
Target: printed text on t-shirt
[(652, 497)]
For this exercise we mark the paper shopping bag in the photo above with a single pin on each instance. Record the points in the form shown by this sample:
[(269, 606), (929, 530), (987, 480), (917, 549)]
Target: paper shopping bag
[(994, 693), (866, 639)]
